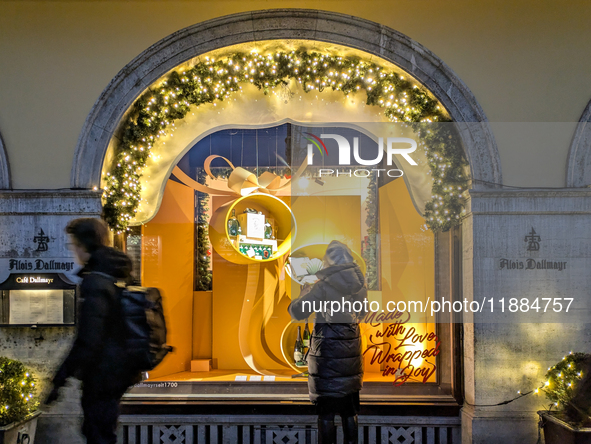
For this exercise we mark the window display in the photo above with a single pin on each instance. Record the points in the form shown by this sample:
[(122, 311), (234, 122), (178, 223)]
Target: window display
[(271, 214)]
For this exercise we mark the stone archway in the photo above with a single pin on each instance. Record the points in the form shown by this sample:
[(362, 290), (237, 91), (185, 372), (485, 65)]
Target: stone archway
[(578, 165), (5, 179), (388, 44)]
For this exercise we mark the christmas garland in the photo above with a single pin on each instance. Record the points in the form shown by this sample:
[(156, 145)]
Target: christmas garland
[(203, 275), (155, 112), (370, 252)]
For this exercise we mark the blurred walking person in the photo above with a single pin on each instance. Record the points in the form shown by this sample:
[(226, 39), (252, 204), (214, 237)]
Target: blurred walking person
[(98, 351), (335, 360)]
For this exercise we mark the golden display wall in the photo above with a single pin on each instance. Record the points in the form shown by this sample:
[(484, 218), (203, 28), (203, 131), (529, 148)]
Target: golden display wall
[(407, 274), (318, 219), (243, 324), (168, 250)]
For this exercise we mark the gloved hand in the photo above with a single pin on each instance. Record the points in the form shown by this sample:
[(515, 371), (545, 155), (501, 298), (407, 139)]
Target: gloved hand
[(305, 289), (58, 381), (53, 396)]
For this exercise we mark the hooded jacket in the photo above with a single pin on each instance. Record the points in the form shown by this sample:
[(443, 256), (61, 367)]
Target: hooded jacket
[(98, 351), (335, 360)]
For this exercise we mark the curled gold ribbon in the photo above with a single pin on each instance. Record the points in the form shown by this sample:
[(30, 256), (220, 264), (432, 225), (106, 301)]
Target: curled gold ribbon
[(264, 290), (240, 182)]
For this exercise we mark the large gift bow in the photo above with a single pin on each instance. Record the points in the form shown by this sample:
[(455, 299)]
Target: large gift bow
[(240, 182), (259, 302)]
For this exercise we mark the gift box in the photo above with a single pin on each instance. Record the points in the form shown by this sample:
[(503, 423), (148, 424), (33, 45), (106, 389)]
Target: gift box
[(201, 365), (252, 225)]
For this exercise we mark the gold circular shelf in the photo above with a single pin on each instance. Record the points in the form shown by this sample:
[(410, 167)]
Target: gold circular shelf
[(270, 205)]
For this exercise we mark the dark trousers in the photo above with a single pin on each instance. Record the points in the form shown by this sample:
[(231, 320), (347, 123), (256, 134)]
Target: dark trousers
[(347, 407), (101, 412)]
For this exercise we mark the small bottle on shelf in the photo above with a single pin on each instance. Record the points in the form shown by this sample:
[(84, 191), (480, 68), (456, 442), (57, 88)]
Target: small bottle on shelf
[(268, 229), (233, 225), (306, 338), (298, 351)]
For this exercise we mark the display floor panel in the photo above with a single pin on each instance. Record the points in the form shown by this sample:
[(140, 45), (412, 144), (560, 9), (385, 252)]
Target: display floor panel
[(239, 385), (239, 375), (226, 375)]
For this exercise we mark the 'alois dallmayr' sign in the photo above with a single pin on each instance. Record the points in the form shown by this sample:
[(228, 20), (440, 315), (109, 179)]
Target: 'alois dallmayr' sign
[(533, 244), (531, 264), (40, 265), (39, 251)]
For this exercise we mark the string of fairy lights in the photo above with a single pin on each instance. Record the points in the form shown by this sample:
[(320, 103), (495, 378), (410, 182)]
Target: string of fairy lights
[(560, 384), (210, 81)]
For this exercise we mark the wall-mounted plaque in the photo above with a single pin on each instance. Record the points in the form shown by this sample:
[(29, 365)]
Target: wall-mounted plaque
[(36, 307), (37, 299)]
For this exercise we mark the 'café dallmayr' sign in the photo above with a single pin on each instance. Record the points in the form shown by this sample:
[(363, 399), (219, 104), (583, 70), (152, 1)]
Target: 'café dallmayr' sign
[(40, 265)]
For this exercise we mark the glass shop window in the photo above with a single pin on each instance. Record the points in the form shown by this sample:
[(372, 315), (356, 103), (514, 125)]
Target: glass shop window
[(229, 261)]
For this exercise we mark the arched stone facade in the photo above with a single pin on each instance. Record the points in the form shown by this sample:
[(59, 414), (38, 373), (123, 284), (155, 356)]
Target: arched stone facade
[(578, 165), (5, 180), (373, 38)]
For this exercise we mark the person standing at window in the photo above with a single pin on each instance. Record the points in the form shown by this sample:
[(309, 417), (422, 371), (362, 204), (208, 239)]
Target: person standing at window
[(335, 360), (97, 353)]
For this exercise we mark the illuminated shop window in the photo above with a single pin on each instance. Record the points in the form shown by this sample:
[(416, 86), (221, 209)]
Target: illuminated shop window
[(223, 262)]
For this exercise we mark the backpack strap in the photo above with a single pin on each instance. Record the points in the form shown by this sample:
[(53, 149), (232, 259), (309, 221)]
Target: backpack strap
[(117, 282)]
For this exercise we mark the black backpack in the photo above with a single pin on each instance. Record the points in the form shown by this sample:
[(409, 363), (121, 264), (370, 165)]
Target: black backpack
[(145, 326)]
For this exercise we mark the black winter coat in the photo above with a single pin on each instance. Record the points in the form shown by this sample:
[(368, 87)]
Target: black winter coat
[(97, 353), (335, 360)]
